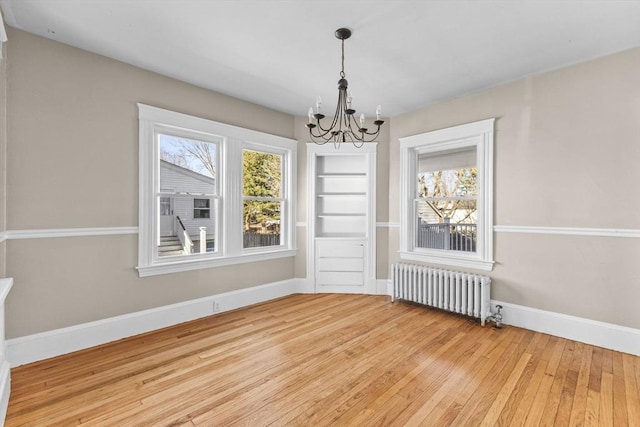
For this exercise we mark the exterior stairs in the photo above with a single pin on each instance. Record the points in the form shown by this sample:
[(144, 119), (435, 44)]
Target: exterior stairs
[(170, 245)]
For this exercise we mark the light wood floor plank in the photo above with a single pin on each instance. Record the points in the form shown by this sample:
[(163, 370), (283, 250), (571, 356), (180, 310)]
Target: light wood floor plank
[(578, 408), (479, 403), (521, 401), (632, 389), (535, 412), (326, 360)]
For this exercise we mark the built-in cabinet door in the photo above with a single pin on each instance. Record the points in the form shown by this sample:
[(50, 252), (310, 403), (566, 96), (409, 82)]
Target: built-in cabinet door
[(340, 266)]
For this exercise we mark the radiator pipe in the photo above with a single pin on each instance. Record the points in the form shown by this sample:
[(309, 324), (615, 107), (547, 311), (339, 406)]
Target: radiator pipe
[(497, 317)]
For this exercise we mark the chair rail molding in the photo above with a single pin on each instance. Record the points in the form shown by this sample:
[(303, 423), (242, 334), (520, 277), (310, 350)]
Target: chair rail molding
[(569, 231), (66, 232)]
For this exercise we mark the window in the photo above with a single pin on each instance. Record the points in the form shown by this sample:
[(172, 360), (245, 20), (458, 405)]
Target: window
[(446, 202), (447, 193), (261, 198), (201, 208), (211, 194), (188, 166)]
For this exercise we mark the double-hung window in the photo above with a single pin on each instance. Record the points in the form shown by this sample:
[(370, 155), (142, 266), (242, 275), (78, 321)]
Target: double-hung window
[(211, 194), (447, 202)]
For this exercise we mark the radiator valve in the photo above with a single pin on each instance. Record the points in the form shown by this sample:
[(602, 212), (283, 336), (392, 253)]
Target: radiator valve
[(497, 317)]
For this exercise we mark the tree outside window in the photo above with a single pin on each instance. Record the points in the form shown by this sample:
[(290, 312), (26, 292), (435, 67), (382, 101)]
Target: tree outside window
[(262, 198)]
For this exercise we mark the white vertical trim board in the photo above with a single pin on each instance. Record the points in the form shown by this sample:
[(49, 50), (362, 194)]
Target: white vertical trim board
[(5, 389), (3, 35), (32, 348), (607, 335), (5, 369)]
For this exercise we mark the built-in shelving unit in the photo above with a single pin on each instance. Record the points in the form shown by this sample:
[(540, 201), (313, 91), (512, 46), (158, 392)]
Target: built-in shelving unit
[(341, 192), (341, 252)]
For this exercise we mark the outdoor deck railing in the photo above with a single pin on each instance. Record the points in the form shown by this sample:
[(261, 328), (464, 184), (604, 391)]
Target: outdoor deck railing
[(457, 237), (255, 240)]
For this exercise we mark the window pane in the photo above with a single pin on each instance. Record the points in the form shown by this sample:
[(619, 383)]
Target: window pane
[(261, 223), (165, 206), (187, 166), (448, 225), (452, 173), (261, 174), (201, 203), (181, 233)]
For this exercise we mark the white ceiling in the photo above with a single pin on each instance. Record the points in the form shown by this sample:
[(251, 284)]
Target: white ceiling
[(404, 54)]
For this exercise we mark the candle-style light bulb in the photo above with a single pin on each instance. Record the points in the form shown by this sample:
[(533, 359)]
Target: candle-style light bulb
[(362, 120), (378, 111), (310, 115), (318, 104), (349, 98)]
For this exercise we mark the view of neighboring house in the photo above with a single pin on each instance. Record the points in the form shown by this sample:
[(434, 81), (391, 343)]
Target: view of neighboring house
[(191, 207)]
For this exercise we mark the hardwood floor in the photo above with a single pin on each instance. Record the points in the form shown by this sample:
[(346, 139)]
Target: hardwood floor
[(313, 360)]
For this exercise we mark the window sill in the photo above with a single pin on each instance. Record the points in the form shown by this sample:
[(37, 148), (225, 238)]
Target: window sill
[(455, 261), (198, 264)]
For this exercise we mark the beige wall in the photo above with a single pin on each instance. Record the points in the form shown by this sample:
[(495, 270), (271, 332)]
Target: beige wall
[(73, 162), (567, 150)]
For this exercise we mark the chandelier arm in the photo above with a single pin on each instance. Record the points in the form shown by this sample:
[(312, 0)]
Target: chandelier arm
[(357, 142), (318, 139), (334, 122), (377, 131)]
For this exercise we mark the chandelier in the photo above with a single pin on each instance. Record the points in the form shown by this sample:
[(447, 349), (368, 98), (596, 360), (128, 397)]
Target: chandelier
[(344, 127)]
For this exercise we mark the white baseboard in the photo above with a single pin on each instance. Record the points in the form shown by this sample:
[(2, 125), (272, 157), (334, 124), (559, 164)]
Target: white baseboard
[(305, 285), (607, 335), (53, 343), (379, 286), (5, 389), (384, 287), (48, 344)]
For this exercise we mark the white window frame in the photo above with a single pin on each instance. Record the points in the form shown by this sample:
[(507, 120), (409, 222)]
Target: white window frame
[(230, 140), (477, 134)]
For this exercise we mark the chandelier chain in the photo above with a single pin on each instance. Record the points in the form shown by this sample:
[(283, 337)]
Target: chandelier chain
[(342, 72)]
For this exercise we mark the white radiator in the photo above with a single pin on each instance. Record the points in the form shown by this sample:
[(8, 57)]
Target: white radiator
[(455, 291)]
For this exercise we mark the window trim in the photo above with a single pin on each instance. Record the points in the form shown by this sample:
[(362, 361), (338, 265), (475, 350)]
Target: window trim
[(478, 134), (233, 140)]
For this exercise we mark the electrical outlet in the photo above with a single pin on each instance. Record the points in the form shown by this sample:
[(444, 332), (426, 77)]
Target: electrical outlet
[(216, 306)]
